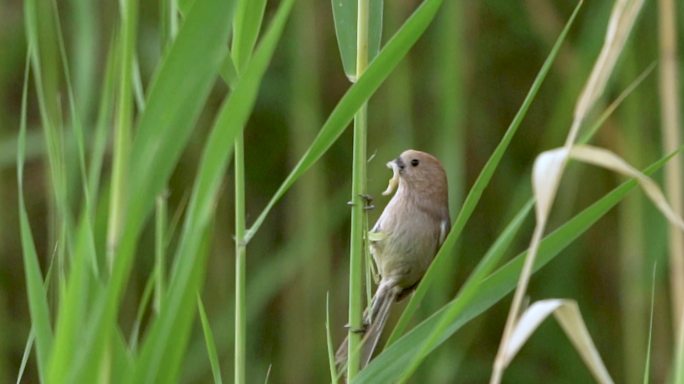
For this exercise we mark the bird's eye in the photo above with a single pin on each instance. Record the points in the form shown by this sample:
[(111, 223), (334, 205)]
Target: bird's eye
[(415, 162)]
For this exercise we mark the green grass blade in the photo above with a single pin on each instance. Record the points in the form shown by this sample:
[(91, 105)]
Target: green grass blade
[(37, 294), (38, 306), (25, 356), (647, 363), (169, 115), (160, 357), (388, 58), (104, 115), (140, 312), (84, 40), (32, 334), (160, 236), (344, 14), (72, 307), (138, 89), (249, 15), (121, 358), (163, 131), (209, 340), (41, 32), (393, 363), (497, 251), (228, 71), (78, 133), (473, 197), (329, 342), (170, 330), (122, 129)]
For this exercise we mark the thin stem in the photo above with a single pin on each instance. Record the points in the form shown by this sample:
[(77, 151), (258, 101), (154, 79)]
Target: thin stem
[(356, 252), (240, 260), (159, 250), (122, 136), (671, 121)]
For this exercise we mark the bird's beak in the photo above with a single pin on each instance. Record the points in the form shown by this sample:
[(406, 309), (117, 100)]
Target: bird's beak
[(396, 166)]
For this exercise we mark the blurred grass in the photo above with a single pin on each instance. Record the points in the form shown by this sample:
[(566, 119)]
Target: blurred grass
[(454, 95)]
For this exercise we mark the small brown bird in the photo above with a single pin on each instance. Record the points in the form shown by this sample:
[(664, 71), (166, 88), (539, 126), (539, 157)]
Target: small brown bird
[(405, 238)]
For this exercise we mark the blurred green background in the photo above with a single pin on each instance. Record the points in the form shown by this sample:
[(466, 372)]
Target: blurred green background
[(453, 96)]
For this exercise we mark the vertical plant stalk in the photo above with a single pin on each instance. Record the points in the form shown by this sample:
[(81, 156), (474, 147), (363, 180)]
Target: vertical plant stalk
[(41, 34), (122, 135), (169, 30), (240, 260), (671, 124), (84, 40), (246, 26), (159, 251), (356, 251)]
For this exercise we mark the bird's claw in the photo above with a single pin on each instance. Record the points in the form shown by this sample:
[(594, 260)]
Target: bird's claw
[(367, 202)]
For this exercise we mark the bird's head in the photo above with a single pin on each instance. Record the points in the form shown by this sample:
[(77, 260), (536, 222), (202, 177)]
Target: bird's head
[(418, 172)]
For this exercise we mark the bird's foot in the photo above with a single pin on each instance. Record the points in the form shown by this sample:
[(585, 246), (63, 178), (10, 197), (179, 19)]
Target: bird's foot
[(367, 202)]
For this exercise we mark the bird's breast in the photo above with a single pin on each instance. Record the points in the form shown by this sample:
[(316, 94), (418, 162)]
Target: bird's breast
[(410, 238)]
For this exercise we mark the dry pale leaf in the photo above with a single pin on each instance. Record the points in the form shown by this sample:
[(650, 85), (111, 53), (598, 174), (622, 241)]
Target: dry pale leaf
[(546, 174), (568, 315), (607, 159)]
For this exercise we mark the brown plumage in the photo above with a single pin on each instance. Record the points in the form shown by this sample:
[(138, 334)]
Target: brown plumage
[(410, 231)]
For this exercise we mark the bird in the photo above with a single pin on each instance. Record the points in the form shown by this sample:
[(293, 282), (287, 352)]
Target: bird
[(404, 239)]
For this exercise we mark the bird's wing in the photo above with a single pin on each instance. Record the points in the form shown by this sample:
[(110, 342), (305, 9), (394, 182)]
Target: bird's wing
[(444, 228), (378, 226)]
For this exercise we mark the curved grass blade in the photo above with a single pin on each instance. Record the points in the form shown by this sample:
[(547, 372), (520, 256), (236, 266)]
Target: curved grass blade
[(647, 362), (164, 128), (25, 356), (394, 362), (37, 294), (168, 337), (104, 115), (331, 347), (121, 357), (388, 58), (481, 183), (209, 340), (140, 312), (249, 14), (72, 307), (123, 122)]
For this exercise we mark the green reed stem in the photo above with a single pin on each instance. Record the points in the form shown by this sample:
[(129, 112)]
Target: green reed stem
[(356, 252)]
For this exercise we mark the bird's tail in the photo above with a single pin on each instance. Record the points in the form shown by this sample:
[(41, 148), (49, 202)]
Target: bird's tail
[(375, 319)]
